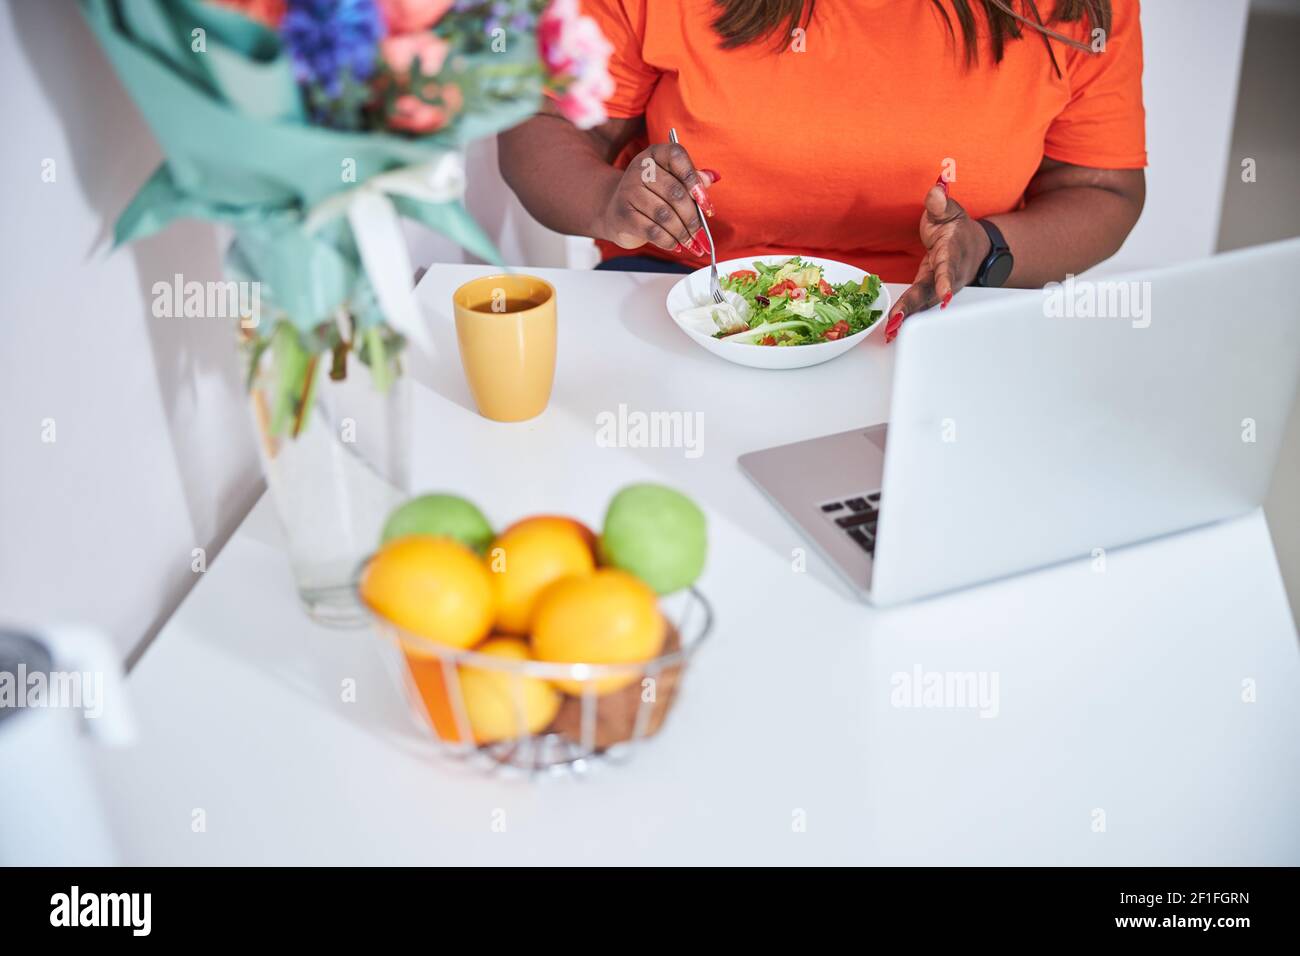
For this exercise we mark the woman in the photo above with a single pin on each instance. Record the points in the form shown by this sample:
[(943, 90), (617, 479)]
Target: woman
[(1013, 130)]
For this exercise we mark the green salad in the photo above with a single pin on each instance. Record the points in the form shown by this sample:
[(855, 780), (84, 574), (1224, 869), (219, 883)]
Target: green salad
[(791, 304)]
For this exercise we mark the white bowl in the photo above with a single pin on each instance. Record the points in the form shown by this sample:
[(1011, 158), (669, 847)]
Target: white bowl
[(693, 290)]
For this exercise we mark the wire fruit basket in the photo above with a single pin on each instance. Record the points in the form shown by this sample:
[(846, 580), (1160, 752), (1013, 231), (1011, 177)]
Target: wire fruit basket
[(504, 711)]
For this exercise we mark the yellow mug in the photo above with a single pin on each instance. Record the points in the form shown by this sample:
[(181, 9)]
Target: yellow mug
[(505, 325)]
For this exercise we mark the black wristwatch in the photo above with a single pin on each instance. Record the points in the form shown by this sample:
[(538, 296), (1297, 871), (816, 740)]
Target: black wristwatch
[(996, 267)]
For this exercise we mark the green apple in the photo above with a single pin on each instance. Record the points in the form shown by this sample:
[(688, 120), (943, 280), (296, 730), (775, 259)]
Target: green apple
[(441, 516), (657, 534)]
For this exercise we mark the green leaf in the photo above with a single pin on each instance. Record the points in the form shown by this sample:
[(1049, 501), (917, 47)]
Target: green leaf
[(289, 367), (257, 349), (380, 373)]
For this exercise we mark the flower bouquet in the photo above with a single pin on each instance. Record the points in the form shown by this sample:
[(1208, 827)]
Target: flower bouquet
[(311, 128)]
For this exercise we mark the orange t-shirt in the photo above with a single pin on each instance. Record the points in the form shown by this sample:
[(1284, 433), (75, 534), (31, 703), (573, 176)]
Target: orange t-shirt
[(830, 151)]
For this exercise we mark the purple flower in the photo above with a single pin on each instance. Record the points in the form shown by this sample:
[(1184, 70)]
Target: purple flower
[(331, 39)]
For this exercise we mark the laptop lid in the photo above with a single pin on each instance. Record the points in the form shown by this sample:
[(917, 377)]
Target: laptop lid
[(1102, 412)]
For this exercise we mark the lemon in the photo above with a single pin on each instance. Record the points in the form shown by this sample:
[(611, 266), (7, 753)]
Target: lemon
[(498, 704), (502, 705)]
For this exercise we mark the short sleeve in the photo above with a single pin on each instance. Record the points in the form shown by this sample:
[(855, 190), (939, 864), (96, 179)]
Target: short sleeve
[(624, 23), (1104, 123)]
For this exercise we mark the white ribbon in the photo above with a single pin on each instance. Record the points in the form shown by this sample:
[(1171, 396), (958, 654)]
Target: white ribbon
[(377, 229)]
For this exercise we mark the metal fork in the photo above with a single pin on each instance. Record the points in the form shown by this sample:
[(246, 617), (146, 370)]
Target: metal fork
[(715, 288)]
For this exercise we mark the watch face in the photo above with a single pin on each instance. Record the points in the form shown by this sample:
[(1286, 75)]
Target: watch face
[(999, 270)]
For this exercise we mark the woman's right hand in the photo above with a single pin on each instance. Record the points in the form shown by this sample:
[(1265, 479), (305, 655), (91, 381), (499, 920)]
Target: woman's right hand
[(652, 202)]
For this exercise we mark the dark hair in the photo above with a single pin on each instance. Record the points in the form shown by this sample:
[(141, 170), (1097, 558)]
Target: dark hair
[(741, 22)]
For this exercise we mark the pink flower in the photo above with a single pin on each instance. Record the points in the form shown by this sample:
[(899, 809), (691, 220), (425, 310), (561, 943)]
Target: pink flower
[(452, 98), (401, 51), (580, 107), (576, 55), (408, 16), (413, 115)]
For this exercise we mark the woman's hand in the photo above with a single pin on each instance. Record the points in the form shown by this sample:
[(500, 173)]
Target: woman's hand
[(1100, 207), (651, 202), (566, 178), (955, 245)]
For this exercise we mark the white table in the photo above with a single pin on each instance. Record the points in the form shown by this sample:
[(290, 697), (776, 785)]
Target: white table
[(1119, 692)]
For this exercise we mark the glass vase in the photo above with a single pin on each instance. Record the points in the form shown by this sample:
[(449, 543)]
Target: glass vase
[(336, 464)]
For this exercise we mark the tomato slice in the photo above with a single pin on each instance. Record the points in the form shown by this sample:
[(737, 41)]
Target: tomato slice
[(824, 287), (780, 288), (768, 340), (837, 331), (748, 275)]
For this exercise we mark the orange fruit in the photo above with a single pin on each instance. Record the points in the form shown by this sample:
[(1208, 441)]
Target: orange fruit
[(608, 617), (498, 704), (588, 535), (430, 680), (526, 558), (434, 588)]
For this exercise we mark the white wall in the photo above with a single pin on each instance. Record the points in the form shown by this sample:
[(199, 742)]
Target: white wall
[(1192, 52), (153, 455), (1268, 209), (521, 239)]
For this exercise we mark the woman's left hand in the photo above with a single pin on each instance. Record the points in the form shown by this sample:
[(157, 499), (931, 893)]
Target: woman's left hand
[(955, 245)]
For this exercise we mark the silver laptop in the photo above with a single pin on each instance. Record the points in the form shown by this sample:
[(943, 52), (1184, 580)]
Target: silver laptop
[(1039, 428)]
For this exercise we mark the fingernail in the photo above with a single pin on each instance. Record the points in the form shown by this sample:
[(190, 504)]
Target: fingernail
[(698, 239), (713, 174), (889, 337), (702, 197), (895, 321), (677, 248), (942, 182), (946, 299)]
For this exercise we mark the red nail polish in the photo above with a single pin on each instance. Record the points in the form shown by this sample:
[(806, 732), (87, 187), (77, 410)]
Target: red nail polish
[(702, 197), (699, 239), (946, 299), (942, 182), (713, 174)]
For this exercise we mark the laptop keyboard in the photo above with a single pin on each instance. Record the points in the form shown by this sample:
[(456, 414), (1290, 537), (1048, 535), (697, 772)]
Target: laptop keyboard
[(857, 518)]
